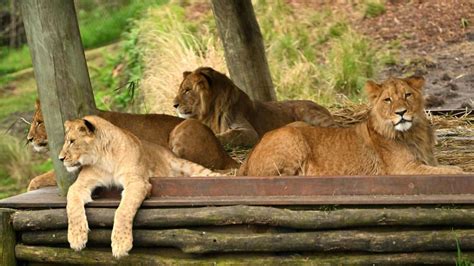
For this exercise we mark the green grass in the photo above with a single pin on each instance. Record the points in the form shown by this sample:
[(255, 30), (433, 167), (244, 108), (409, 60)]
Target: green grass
[(17, 102), (12, 60), (374, 9), (98, 26)]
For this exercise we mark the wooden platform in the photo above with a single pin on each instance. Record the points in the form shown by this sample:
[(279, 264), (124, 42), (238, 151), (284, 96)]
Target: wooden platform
[(337, 190)]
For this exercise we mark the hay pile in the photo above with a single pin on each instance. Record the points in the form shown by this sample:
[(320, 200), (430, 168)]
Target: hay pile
[(455, 134)]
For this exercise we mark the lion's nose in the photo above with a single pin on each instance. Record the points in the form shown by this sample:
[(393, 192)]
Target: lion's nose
[(401, 112), (61, 158), (30, 139), (176, 105)]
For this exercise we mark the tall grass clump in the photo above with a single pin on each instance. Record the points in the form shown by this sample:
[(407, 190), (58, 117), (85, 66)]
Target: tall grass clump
[(16, 161), (351, 63), (172, 44)]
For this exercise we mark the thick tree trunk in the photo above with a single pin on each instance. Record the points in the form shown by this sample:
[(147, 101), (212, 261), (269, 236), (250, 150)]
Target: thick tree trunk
[(215, 216), (200, 242), (60, 71), (166, 257), (243, 47)]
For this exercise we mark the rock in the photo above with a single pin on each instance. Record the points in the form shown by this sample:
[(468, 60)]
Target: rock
[(445, 77)]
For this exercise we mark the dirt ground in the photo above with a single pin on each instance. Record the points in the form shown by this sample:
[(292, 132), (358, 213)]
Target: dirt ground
[(436, 40)]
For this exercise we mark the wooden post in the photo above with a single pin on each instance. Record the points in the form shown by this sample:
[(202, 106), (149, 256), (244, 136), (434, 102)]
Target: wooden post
[(60, 71), (8, 239), (243, 48)]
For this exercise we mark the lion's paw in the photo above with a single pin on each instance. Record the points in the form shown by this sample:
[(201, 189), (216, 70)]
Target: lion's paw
[(77, 235), (122, 243)]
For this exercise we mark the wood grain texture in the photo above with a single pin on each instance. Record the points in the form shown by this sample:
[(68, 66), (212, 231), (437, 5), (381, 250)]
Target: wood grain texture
[(60, 71), (168, 257), (243, 48), (253, 215), (8, 238), (202, 242)]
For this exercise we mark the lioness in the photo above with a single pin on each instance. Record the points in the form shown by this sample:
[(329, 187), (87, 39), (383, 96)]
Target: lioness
[(212, 98), (111, 156), (395, 140), (188, 139)]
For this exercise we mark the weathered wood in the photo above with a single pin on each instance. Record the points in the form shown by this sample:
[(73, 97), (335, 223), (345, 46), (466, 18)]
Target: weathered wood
[(253, 215), (243, 48), (8, 238), (167, 257), (200, 242), (49, 198), (60, 71)]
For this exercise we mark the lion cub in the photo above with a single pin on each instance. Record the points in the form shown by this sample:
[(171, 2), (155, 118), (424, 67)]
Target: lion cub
[(397, 139), (107, 155)]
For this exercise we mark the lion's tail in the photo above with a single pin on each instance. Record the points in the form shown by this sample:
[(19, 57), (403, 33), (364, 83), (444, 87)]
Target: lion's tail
[(314, 114)]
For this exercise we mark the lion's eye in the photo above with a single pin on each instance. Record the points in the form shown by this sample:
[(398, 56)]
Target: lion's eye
[(71, 141), (387, 100), (187, 91), (407, 95)]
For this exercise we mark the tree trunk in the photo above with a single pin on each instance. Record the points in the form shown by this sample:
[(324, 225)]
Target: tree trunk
[(243, 48), (60, 71), (167, 257), (253, 215), (200, 242)]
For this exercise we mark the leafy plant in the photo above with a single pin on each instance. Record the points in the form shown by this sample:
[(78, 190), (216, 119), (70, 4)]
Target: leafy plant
[(374, 9)]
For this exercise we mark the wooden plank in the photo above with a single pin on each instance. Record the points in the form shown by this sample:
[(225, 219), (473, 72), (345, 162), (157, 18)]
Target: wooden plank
[(97, 256), (301, 186), (8, 238), (243, 48), (204, 191), (203, 242), (253, 215), (60, 71), (49, 198)]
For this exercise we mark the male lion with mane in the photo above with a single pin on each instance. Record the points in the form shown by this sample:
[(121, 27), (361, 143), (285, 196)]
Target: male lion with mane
[(396, 139), (212, 98), (110, 156), (188, 139)]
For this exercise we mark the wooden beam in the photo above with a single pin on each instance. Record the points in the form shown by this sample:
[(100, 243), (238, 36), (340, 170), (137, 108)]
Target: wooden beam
[(60, 71), (96, 256), (8, 238), (253, 215), (202, 242), (243, 48)]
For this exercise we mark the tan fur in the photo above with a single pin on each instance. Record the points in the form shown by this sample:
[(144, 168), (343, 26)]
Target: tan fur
[(111, 156), (379, 146), (189, 140), (215, 100)]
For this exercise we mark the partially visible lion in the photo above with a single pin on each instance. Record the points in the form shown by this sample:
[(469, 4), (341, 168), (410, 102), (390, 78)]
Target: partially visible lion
[(212, 98), (110, 156), (397, 139), (188, 139)]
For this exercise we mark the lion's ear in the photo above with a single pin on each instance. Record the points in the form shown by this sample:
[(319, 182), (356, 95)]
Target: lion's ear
[(373, 89), (416, 82), (186, 73), (206, 72), (89, 126)]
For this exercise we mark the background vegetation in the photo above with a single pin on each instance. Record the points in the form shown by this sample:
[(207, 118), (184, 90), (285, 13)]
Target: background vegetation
[(137, 51)]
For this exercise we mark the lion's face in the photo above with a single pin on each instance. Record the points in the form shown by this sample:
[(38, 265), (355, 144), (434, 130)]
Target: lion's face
[(78, 142), (37, 133), (397, 103), (193, 95)]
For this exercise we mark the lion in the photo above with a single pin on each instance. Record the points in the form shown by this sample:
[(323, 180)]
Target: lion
[(188, 139), (212, 98), (107, 155), (396, 139)]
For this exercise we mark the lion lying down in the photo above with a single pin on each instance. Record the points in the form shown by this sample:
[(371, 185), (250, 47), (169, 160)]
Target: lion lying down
[(110, 156), (212, 98), (188, 139), (397, 139)]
